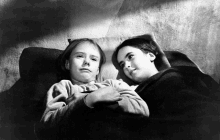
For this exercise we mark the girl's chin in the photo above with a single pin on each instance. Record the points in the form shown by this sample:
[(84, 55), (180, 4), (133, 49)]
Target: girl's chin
[(137, 79)]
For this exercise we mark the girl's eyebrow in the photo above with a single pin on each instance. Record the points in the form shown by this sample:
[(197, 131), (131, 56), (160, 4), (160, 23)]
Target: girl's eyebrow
[(79, 53), (95, 56), (127, 54), (120, 63), (85, 53)]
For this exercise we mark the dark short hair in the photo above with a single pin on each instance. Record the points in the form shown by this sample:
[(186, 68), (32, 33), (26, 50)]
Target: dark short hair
[(145, 45), (63, 72)]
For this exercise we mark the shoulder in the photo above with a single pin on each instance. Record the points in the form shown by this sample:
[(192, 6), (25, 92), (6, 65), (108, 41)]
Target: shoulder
[(171, 73), (171, 77), (166, 77), (64, 83), (168, 74), (165, 81)]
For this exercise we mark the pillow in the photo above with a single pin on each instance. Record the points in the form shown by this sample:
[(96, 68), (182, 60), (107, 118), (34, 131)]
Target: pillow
[(40, 63), (35, 61)]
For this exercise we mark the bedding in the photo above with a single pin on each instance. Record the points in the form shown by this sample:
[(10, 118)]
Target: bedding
[(181, 93), (23, 105)]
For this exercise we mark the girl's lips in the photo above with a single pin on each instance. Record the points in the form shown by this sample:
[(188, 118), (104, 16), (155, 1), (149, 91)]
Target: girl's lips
[(132, 71), (85, 70)]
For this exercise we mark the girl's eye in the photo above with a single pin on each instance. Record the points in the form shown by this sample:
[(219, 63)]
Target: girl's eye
[(79, 56), (122, 65), (94, 59), (130, 56)]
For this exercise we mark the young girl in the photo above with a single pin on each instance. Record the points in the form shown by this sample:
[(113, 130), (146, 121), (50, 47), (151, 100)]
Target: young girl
[(81, 63), (171, 91)]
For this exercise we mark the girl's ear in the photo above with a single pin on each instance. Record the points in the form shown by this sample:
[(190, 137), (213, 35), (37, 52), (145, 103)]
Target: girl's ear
[(67, 65), (152, 56)]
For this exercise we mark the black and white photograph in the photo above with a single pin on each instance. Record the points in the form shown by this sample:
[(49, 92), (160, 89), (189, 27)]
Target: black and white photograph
[(109, 69)]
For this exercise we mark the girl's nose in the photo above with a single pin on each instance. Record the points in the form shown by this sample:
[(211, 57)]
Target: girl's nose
[(127, 65), (86, 61)]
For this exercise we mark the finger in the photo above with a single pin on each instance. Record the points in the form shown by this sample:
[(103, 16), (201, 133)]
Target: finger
[(120, 98), (109, 102), (116, 99), (116, 94)]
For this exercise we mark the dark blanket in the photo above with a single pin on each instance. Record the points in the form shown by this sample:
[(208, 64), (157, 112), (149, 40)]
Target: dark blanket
[(182, 92), (183, 102), (113, 126)]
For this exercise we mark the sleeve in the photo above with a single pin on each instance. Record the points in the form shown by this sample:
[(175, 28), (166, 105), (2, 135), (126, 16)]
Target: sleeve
[(61, 105), (131, 102)]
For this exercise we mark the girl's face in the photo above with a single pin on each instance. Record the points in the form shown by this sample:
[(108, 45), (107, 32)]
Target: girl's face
[(83, 63), (136, 64)]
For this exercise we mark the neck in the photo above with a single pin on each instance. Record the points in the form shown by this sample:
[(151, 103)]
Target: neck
[(75, 82), (154, 71)]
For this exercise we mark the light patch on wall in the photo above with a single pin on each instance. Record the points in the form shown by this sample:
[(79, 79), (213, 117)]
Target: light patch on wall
[(217, 8), (92, 30), (5, 2), (129, 25), (92, 18)]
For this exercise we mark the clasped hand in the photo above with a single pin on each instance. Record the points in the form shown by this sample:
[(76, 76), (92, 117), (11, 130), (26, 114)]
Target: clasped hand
[(103, 96)]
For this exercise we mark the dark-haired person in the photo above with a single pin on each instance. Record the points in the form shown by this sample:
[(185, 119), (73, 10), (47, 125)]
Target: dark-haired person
[(178, 92)]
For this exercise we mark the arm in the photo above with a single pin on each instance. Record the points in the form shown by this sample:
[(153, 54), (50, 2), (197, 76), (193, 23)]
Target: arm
[(61, 98), (130, 101), (61, 107), (65, 108)]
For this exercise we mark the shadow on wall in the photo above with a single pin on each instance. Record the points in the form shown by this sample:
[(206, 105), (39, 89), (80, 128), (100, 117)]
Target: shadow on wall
[(23, 20)]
